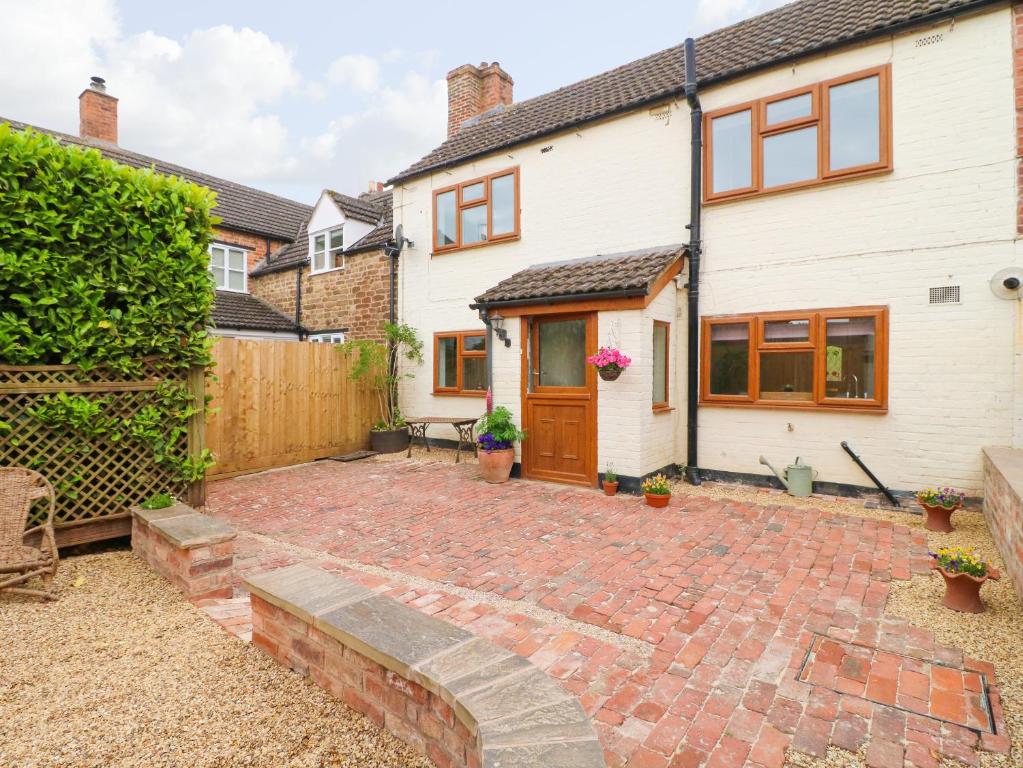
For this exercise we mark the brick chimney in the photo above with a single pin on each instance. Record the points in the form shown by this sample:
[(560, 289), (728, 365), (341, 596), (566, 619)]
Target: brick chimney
[(97, 113), (474, 90), (376, 186)]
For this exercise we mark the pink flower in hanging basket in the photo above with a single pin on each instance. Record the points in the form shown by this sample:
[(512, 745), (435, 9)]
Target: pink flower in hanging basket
[(610, 358)]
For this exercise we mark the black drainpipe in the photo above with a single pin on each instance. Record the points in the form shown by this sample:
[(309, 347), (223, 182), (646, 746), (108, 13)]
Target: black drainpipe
[(394, 279), (298, 302), (693, 319)]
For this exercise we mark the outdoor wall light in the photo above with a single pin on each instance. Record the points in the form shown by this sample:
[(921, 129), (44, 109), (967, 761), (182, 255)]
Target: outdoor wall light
[(497, 323)]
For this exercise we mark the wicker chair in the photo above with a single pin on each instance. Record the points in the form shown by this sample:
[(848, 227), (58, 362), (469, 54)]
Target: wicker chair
[(19, 490)]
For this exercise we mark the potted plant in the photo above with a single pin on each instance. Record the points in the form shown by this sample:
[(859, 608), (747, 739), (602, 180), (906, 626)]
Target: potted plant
[(610, 362), (939, 506), (376, 364), (964, 575), (610, 480), (657, 491), (497, 435)]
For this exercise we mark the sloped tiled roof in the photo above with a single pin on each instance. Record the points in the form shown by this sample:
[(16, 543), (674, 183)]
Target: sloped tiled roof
[(631, 272), (297, 253), (794, 30), (356, 207), (243, 311), (241, 208)]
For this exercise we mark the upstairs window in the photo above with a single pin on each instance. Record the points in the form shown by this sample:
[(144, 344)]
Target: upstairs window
[(835, 129), (336, 337), (477, 212), (829, 358), (228, 267), (327, 250), (460, 363)]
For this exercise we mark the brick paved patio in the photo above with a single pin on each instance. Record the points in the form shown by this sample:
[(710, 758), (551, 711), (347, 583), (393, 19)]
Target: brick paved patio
[(711, 633)]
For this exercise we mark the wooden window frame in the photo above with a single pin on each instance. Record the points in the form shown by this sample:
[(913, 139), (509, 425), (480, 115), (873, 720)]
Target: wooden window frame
[(460, 354), (817, 344), (666, 405), (462, 205), (819, 117)]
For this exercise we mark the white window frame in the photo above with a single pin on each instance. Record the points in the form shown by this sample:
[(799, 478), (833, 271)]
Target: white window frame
[(328, 252), (227, 269), (337, 337)]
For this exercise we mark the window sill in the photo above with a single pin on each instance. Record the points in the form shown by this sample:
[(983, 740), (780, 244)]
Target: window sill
[(314, 273), (874, 409), (231, 290), (663, 409), (484, 244), (459, 394)]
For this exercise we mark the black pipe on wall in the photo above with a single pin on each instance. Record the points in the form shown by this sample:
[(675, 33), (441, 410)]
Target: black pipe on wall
[(298, 302), (695, 212)]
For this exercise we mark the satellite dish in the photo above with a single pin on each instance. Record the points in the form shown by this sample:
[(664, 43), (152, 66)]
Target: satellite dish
[(397, 243), (1007, 282)]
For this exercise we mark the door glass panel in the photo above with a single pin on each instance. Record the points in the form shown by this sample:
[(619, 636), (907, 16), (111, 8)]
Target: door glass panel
[(660, 364), (502, 197), (472, 192), (732, 150), (786, 331), (786, 376), (447, 362), (474, 343), (729, 359), (790, 157), (790, 109), (474, 373), (562, 358), (445, 219), (854, 111), (474, 225), (849, 360)]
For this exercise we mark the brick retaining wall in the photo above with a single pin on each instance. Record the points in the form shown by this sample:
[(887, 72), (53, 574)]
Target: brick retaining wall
[(1003, 507)]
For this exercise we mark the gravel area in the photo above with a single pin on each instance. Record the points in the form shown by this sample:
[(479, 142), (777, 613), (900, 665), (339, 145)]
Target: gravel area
[(122, 671), (994, 636)]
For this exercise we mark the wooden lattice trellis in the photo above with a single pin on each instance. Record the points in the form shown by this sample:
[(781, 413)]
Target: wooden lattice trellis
[(98, 480)]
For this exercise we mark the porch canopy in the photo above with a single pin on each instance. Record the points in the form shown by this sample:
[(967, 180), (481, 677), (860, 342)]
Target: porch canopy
[(631, 278)]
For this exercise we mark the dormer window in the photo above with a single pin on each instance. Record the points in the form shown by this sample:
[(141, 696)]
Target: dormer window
[(227, 265), (327, 250)]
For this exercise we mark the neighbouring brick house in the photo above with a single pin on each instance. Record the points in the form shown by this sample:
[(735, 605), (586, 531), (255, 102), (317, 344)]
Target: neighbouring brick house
[(859, 192), (263, 240)]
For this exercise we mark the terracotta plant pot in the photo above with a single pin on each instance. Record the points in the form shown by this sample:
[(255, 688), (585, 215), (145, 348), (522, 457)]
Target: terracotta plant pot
[(609, 374), (938, 518), (389, 440), (496, 466), (610, 487), (657, 499), (962, 591)]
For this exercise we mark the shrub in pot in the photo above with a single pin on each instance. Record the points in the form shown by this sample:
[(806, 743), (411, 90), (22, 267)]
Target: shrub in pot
[(657, 491), (376, 364), (497, 436), (938, 506), (964, 575), (610, 481)]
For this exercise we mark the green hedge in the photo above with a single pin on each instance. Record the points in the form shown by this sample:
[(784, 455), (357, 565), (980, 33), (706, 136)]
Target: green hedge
[(100, 264)]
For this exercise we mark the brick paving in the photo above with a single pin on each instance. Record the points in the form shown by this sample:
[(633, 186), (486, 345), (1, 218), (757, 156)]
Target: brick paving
[(765, 622)]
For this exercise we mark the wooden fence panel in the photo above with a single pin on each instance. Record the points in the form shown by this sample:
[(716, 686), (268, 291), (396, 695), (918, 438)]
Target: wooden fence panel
[(283, 402)]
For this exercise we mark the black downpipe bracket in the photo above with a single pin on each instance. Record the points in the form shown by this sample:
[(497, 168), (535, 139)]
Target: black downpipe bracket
[(693, 304), (880, 486)]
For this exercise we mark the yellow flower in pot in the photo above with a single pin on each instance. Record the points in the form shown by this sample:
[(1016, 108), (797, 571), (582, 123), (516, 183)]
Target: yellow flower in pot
[(657, 491)]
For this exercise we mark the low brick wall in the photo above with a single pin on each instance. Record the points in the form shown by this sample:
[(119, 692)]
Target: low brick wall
[(1003, 507), (459, 699), (192, 551)]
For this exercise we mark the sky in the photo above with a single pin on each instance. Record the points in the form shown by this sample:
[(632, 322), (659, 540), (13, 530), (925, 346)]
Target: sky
[(294, 97)]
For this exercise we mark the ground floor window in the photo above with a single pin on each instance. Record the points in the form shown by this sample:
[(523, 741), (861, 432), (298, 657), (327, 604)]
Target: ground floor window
[(460, 363), (660, 387), (337, 337), (822, 358)]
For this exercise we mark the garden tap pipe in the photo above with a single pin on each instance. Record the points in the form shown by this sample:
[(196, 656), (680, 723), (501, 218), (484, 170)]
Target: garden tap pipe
[(693, 303), (880, 486)]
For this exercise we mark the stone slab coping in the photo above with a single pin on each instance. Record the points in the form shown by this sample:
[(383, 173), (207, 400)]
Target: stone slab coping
[(1009, 462), (520, 717), (184, 527)]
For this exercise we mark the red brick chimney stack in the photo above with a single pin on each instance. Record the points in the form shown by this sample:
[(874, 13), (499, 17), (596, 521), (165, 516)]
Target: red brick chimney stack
[(376, 186), (474, 90), (97, 113)]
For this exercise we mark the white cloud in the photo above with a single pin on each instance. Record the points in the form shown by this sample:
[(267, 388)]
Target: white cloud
[(355, 70), (712, 14)]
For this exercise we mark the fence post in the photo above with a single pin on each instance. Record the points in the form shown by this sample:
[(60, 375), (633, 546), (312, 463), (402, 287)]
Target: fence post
[(197, 430)]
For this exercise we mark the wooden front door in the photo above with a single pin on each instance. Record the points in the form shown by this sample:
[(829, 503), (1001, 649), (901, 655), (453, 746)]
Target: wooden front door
[(560, 399)]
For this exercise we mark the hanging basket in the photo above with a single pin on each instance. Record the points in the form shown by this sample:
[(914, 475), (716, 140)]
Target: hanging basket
[(610, 373)]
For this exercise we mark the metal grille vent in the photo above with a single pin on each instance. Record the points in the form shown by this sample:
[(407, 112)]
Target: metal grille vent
[(945, 294), (929, 40)]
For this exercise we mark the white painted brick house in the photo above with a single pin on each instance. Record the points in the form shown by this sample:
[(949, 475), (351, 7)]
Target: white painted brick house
[(897, 126)]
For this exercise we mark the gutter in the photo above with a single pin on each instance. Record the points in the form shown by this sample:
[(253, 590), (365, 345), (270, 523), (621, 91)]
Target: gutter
[(693, 304)]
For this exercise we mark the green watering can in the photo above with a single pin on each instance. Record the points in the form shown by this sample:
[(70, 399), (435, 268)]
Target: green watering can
[(798, 478)]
